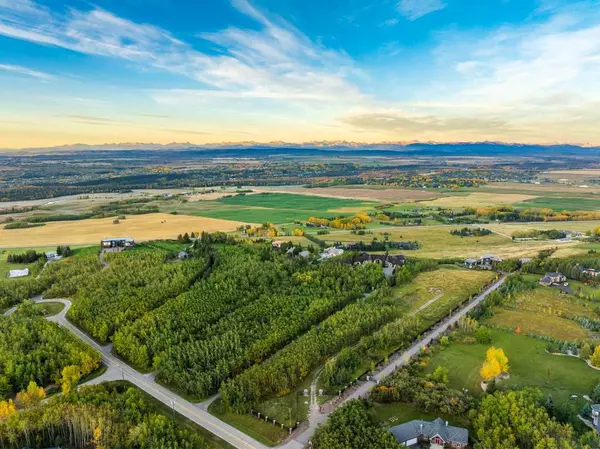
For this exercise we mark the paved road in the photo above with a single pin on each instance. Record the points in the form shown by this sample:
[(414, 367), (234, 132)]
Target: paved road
[(118, 369), (402, 358)]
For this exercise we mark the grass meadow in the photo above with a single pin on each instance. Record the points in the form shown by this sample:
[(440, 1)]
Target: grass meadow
[(437, 242)]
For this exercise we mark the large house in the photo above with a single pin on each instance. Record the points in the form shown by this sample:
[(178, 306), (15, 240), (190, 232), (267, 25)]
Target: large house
[(485, 262), (331, 252), (117, 244), (385, 260), (553, 279), (437, 433)]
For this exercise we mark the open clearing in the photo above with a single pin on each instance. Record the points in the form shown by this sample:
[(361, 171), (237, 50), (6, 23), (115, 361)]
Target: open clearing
[(139, 227), (530, 366), (450, 285), (545, 311), (437, 242), (539, 324), (479, 200)]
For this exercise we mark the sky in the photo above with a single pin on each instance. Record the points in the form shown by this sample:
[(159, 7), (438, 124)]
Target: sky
[(204, 71)]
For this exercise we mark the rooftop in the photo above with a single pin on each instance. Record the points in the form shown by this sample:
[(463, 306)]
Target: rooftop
[(414, 429)]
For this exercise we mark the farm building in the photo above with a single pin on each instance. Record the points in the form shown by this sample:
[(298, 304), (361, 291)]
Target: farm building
[(437, 433), (18, 273), (552, 279), (591, 272), (117, 243)]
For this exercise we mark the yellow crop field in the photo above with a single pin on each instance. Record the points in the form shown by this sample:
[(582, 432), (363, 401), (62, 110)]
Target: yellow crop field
[(139, 227), (479, 200)]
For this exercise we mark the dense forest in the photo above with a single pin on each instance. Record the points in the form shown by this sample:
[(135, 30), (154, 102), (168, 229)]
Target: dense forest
[(254, 302), (132, 284), (33, 349), (103, 416)]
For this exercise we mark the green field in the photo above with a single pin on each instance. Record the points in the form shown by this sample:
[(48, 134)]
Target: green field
[(291, 201), (276, 208), (530, 366), (559, 204)]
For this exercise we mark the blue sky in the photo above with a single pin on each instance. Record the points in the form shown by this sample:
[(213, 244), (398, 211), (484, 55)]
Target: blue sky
[(298, 70)]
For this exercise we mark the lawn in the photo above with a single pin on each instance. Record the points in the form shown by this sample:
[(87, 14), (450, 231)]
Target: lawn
[(437, 242), (287, 409), (530, 366), (559, 204), (260, 430)]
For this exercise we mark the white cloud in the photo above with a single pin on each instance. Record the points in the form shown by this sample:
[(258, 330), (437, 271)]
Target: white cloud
[(389, 23), (26, 71), (276, 61), (414, 9)]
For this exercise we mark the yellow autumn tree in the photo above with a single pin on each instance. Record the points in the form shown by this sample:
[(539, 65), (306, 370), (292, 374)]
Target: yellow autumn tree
[(97, 438), (496, 363), (32, 396), (7, 408), (595, 358), (70, 377)]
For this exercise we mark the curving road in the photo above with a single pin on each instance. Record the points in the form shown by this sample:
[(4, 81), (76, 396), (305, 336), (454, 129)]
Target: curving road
[(117, 369)]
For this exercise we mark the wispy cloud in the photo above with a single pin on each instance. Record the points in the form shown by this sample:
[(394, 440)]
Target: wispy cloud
[(389, 23), (276, 61), (26, 71), (397, 122), (414, 9)]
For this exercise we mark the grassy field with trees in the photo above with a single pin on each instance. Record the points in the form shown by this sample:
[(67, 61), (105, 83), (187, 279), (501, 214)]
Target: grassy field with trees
[(530, 366)]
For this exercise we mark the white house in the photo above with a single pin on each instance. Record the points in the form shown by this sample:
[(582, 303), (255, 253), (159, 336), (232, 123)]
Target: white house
[(330, 252)]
